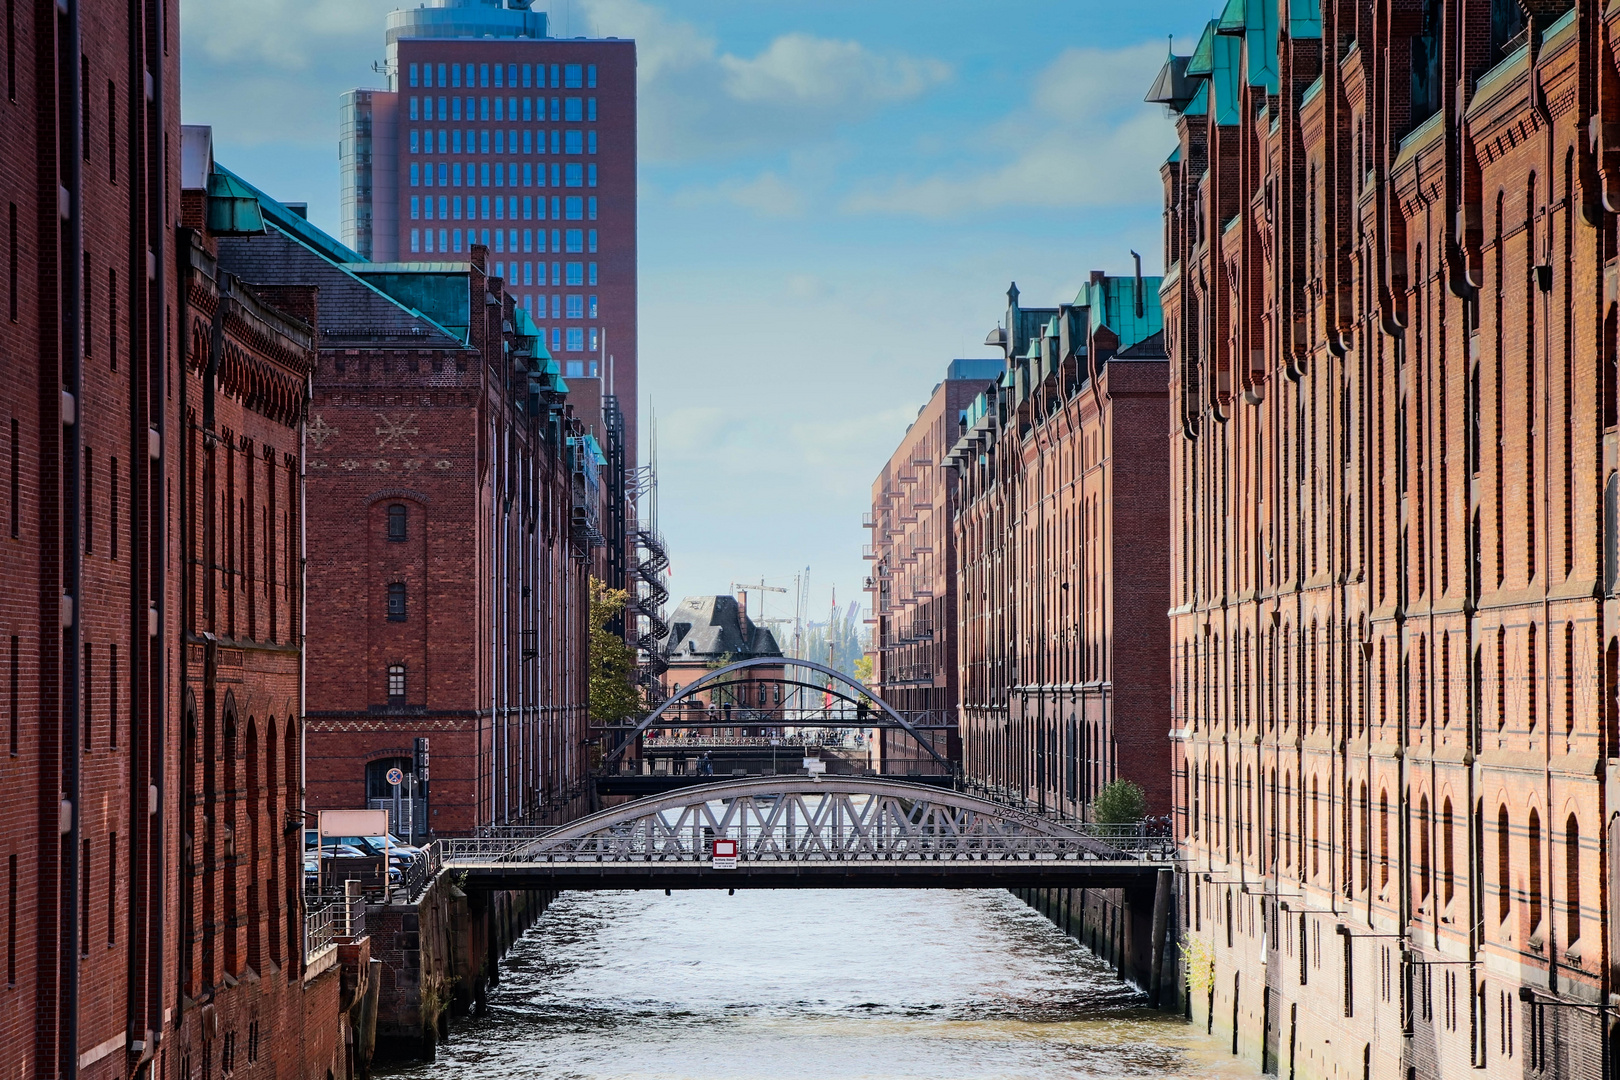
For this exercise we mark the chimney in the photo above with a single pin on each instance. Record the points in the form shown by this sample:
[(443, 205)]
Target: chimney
[(1097, 276)]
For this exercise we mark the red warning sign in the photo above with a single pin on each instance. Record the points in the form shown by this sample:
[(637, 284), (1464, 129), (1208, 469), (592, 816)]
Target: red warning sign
[(725, 854)]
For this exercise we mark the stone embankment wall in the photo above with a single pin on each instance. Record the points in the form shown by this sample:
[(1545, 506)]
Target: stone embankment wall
[(1133, 930), (437, 959)]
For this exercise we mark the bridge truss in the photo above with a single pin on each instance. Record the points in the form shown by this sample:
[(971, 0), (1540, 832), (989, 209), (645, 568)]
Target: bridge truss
[(806, 832)]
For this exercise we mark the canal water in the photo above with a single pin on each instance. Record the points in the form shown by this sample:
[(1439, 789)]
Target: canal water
[(812, 985)]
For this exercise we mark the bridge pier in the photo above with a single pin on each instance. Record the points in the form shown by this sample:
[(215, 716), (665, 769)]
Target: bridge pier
[(1131, 929)]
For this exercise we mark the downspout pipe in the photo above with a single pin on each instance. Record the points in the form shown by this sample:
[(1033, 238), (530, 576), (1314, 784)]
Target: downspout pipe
[(70, 223), (157, 516)]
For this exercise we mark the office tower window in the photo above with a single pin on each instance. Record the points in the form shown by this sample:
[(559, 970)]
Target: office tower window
[(594, 346), (483, 174), (484, 208), (591, 306), (416, 240), (556, 146), (573, 174), (483, 237), (528, 304), (500, 111), (528, 109), (500, 142), (427, 74), (455, 175), (511, 207), (455, 142), (500, 209), (590, 141), (528, 273), (443, 174), (528, 176), (556, 333), (444, 145), (573, 109), (499, 235), (483, 109), (556, 267), (416, 208), (470, 76), (592, 278), (576, 241), (556, 240), (573, 75), (590, 174), (415, 175), (556, 114), (483, 142), (576, 339), (413, 108), (540, 208), (556, 80), (500, 172), (576, 306), (511, 141), (576, 273), (574, 207), (442, 238), (590, 108), (416, 146), (590, 241), (441, 75), (540, 245), (455, 108), (528, 208), (442, 202), (590, 76), (413, 74), (573, 141), (527, 73), (483, 75), (500, 266), (497, 73), (511, 76), (455, 207), (455, 236), (556, 209), (591, 208), (455, 75), (528, 239), (444, 108)]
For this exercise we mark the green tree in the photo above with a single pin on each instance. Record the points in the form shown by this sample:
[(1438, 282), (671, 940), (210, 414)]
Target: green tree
[(614, 696), (1122, 802)]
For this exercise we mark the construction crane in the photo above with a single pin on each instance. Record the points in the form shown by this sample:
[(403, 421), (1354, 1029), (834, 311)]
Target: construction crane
[(761, 588)]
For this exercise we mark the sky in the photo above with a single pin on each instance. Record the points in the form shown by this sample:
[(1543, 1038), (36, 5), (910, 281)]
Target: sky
[(833, 199)]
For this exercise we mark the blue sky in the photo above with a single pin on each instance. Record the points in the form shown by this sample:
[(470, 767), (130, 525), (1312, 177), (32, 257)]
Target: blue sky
[(833, 198)]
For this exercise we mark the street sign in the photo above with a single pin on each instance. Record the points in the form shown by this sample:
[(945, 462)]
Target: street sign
[(725, 854), (396, 776), (813, 765)]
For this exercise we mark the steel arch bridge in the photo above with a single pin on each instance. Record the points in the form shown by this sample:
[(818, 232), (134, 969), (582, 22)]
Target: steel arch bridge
[(840, 685), (810, 832)]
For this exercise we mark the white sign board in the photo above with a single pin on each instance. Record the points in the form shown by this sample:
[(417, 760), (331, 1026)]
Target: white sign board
[(353, 822), (814, 765), (725, 854)]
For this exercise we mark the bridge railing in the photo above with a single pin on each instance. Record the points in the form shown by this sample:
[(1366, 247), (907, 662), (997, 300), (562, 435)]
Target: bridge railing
[(648, 842)]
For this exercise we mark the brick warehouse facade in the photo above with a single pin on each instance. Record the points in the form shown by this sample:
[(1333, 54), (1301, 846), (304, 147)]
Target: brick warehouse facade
[(453, 502), (913, 556), (1062, 503), (1390, 307), (117, 963)]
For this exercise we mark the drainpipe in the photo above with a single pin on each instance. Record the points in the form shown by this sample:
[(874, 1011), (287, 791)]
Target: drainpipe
[(303, 640), (70, 208)]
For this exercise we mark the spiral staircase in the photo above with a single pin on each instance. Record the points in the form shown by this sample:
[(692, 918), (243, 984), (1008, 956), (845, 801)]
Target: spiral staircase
[(647, 567)]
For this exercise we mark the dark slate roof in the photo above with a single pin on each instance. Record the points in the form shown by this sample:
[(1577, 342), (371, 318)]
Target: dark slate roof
[(709, 627), (1149, 348), (350, 312)]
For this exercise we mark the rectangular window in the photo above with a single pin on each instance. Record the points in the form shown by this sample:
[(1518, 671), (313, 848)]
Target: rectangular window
[(416, 240), (592, 279), (416, 145), (500, 247), (500, 173), (576, 273), (526, 72), (556, 274), (556, 335), (528, 305), (556, 114), (590, 76), (415, 173), (11, 242), (573, 76), (483, 145), (576, 240), (556, 79), (573, 175), (594, 347), (590, 108), (483, 74), (528, 271), (498, 80), (500, 142), (591, 241), (455, 108), (573, 109), (455, 207), (592, 306), (512, 141), (413, 114), (528, 114), (590, 141), (443, 174), (444, 108), (455, 236), (455, 141), (528, 207), (556, 148), (500, 109), (483, 109), (590, 174), (573, 140), (441, 75), (484, 209), (483, 174), (443, 236), (413, 74), (576, 306), (455, 175), (112, 888), (442, 202), (574, 207), (416, 208), (396, 681), (540, 245), (576, 339), (87, 683)]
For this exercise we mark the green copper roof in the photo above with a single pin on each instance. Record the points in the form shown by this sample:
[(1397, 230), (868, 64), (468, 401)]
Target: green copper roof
[(1111, 302), (1304, 19), (1203, 58), (1232, 19)]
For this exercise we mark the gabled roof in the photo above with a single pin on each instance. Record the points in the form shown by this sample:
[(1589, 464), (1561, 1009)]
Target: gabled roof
[(709, 627)]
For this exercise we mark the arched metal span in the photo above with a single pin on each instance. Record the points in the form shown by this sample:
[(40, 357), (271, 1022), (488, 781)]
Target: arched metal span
[(651, 720), (804, 832)]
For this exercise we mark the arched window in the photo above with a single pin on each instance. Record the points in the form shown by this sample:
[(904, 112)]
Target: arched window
[(396, 522), (396, 684), (396, 601), (1572, 879), (1534, 847), (1447, 859), (1383, 839), (1504, 862), (1423, 848)]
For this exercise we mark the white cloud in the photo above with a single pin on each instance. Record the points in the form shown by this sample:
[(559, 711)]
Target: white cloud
[(1086, 138), (697, 101), (286, 34)]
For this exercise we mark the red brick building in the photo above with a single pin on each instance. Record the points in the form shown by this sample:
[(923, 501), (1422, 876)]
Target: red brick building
[(913, 555), (455, 504), (152, 921), (1061, 517), (1389, 303)]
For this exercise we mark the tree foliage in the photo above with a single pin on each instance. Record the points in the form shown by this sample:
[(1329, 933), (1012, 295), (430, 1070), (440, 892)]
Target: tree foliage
[(1122, 802), (614, 695)]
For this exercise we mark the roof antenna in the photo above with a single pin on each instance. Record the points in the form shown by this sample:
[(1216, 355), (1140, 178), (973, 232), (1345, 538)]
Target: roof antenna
[(1141, 305)]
